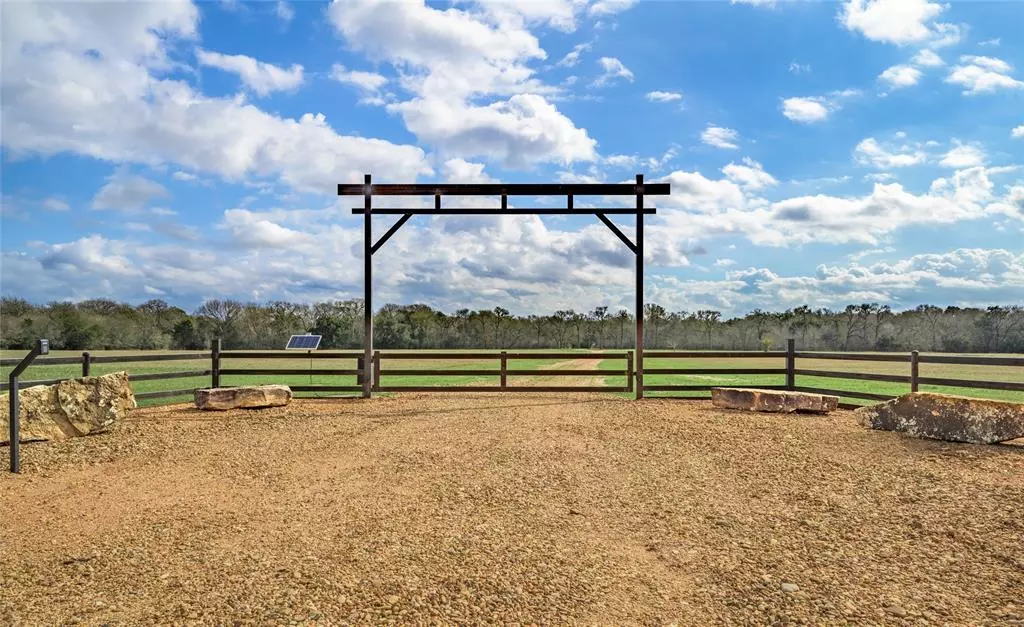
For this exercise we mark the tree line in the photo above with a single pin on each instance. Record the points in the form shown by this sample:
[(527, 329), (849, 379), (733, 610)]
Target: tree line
[(106, 324)]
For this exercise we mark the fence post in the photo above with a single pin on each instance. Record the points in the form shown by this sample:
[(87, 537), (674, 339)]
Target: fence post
[(629, 371), (914, 363), (361, 377), (790, 363), (13, 437), (86, 362), (42, 347), (215, 363), (376, 370), (504, 370)]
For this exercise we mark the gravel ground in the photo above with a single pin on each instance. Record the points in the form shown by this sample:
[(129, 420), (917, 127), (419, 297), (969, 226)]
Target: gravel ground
[(441, 509)]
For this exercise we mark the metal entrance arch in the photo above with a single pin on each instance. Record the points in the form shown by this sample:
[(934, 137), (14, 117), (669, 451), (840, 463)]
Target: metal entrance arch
[(368, 190)]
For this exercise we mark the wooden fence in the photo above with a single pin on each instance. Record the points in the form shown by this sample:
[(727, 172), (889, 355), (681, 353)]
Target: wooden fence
[(387, 364), (87, 361)]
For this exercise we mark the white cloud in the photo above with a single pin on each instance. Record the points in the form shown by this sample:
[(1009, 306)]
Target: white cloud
[(720, 137), (870, 152), (1017, 132), (805, 110), (963, 156), (750, 175), (450, 59), (894, 21), (899, 76), (927, 58), (262, 78), (612, 69), (127, 192), (989, 63), (610, 7), (572, 58), (117, 106), (799, 68), (980, 75), (967, 277), (724, 262), (253, 230), (53, 203), (284, 11), (664, 96), (990, 42), (522, 130), (808, 110), (368, 83), (184, 176)]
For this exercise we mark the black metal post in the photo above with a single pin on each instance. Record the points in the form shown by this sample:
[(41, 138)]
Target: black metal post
[(42, 347), (639, 287), (215, 363), (790, 363), (86, 363), (914, 369), (367, 365)]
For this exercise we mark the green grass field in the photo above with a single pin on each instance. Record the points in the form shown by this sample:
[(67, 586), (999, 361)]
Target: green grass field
[(301, 364)]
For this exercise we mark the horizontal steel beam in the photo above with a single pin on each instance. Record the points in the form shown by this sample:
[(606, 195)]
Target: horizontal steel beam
[(507, 189), (496, 211)]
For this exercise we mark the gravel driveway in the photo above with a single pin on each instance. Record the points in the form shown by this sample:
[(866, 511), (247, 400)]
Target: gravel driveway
[(513, 509)]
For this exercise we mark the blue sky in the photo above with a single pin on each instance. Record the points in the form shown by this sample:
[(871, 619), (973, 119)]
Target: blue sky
[(819, 153)]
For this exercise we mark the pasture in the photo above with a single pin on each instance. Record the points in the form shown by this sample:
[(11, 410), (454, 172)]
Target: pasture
[(299, 363)]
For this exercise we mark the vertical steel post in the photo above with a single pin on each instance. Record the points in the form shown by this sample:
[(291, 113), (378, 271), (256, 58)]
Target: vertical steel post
[(376, 370), (367, 287), (504, 370), (639, 286), (215, 363), (86, 363), (914, 369), (13, 435), (42, 347), (790, 363)]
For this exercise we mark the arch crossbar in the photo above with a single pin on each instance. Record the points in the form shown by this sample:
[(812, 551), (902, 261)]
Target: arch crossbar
[(368, 190)]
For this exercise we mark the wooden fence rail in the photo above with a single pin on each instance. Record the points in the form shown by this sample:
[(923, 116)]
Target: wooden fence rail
[(506, 377)]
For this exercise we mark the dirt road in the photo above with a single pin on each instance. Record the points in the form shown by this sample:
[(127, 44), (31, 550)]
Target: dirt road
[(501, 508)]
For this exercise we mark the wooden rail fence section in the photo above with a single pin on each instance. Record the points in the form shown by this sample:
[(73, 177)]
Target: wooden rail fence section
[(386, 364)]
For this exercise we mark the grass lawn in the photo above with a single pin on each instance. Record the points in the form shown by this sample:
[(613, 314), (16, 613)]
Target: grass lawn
[(945, 371), (302, 364)]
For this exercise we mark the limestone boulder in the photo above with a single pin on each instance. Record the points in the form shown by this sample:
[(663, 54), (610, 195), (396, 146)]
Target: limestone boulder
[(71, 408), (947, 417), (244, 397), (780, 401)]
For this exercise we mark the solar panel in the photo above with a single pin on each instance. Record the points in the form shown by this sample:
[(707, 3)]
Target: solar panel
[(303, 342)]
